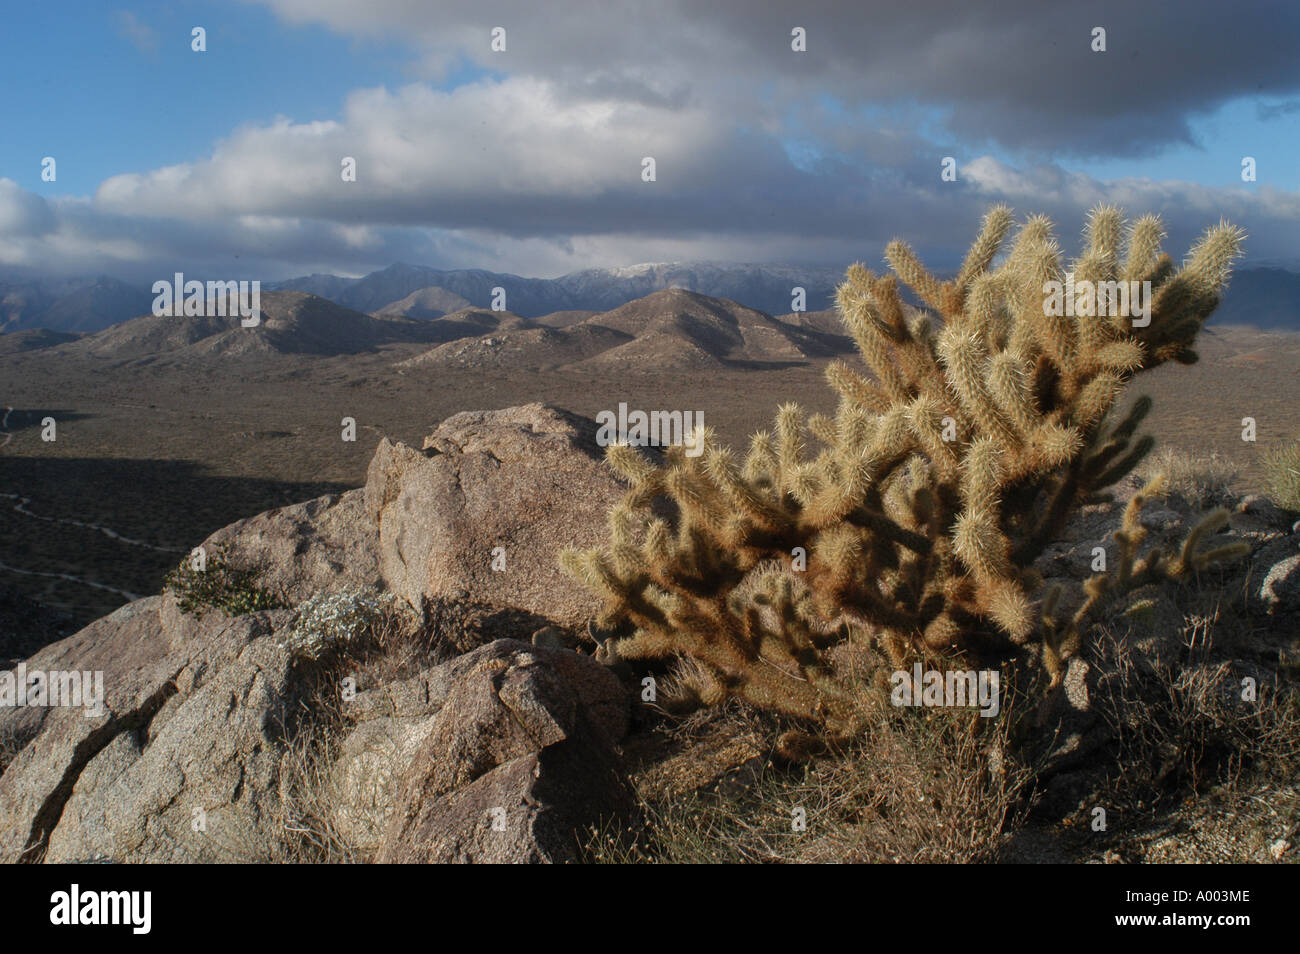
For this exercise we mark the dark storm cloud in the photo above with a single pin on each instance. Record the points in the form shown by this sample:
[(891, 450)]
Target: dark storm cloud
[(1020, 73), (761, 153)]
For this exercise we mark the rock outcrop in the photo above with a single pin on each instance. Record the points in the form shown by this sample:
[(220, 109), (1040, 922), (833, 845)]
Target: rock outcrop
[(517, 763), (183, 762), (199, 782), (384, 753), (507, 487), (323, 544), (188, 712)]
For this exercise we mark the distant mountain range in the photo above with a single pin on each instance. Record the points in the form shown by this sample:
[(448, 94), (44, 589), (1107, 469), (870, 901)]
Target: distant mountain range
[(668, 329), (70, 304), (415, 291), (1266, 297)]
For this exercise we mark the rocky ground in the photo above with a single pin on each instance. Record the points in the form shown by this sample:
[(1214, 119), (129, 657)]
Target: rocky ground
[(422, 689)]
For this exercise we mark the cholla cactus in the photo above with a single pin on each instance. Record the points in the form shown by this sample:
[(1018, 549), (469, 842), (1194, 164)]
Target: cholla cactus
[(913, 520)]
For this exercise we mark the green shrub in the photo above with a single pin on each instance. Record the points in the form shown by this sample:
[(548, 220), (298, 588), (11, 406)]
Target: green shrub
[(234, 590)]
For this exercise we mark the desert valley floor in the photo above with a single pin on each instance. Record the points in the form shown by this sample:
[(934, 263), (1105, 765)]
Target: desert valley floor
[(154, 453)]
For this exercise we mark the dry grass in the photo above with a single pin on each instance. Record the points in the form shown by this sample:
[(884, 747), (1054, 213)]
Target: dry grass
[(1202, 481), (1192, 772), (919, 786), (1282, 474), (1184, 728), (301, 829), (307, 827)]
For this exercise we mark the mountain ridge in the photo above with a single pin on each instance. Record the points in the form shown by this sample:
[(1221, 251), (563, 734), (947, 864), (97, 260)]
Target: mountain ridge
[(667, 329), (1267, 297), (292, 322)]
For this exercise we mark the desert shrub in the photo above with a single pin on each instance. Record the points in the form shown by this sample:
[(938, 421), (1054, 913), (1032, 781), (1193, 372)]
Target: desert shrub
[(330, 623), (910, 519), (1282, 472), (919, 786), (1182, 726), (220, 584), (1201, 481)]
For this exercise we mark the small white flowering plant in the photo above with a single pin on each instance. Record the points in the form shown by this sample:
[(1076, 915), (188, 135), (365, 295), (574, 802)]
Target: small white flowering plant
[(328, 623)]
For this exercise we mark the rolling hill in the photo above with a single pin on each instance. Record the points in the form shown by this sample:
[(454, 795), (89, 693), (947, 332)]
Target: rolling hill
[(684, 329), (667, 330), (430, 302), (33, 339), (291, 323)]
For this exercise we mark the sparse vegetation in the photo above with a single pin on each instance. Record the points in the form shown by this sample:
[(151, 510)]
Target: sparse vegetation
[(1282, 471), (331, 623), (305, 831), (220, 585), (372, 640), (917, 786), (921, 786), (1203, 481), (1184, 728)]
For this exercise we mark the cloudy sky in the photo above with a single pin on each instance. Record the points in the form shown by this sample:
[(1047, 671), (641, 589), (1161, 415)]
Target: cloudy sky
[(529, 160)]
